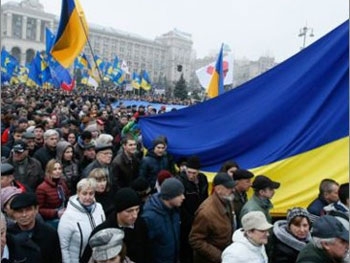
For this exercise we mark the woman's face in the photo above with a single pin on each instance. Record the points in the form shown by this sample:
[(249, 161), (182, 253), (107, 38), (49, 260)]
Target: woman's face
[(68, 154), (56, 171), (300, 229), (86, 196), (101, 184)]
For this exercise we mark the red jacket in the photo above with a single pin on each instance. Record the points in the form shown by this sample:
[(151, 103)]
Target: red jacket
[(50, 199)]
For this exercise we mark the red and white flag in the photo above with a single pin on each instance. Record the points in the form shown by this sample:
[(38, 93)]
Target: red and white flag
[(204, 74)]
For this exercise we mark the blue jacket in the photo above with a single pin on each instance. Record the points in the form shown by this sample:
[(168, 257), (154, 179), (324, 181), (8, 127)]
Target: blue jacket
[(163, 226)]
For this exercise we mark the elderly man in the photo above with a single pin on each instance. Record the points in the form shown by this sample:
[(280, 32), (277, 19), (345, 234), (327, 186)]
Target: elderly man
[(249, 241), (330, 242), (27, 170), (328, 194), (213, 224), (48, 151)]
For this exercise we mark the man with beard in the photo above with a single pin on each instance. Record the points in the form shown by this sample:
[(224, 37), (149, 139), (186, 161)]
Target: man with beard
[(213, 224)]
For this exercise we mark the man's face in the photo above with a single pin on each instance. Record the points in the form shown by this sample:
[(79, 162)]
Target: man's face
[(268, 192), (25, 217), (52, 141), (105, 157), (159, 149), (336, 249), (6, 180), (243, 185), (332, 196), (177, 201), (19, 156), (192, 174), (224, 193), (38, 132), (17, 136), (30, 144), (90, 153), (130, 147), (128, 216)]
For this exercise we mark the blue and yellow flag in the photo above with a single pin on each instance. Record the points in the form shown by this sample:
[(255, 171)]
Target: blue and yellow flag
[(72, 33), (145, 81), (216, 84), (35, 71), (8, 66), (81, 62), (290, 123), (136, 80)]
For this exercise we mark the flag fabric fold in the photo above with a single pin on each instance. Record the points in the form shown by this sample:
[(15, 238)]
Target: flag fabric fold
[(145, 81), (72, 33)]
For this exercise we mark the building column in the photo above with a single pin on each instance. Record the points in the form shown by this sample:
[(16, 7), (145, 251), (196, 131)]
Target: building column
[(38, 30), (24, 27), (9, 25)]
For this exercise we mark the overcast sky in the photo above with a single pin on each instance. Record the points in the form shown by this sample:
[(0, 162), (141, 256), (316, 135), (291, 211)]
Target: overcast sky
[(250, 27)]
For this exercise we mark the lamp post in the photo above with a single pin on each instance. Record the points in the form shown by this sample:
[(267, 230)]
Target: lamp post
[(303, 32)]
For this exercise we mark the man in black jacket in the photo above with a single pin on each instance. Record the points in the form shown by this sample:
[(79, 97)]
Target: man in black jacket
[(126, 218)]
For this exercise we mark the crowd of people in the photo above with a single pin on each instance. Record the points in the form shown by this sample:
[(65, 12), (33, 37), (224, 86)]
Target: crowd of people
[(77, 185)]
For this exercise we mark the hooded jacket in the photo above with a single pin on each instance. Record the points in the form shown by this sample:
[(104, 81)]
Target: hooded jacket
[(242, 250), (163, 225), (75, 227)]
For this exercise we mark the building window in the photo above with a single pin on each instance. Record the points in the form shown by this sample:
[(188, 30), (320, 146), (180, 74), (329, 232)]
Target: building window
[(17, 26), (31, 29)]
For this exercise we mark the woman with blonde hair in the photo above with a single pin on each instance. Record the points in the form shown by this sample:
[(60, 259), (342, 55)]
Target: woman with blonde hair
[(52, 193), (83, 214)]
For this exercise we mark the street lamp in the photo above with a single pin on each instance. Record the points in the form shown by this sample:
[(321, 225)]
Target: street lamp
[(304, 32)]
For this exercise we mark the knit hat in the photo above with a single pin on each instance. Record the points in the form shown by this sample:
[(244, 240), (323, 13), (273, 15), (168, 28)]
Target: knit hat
[(106, 243), (162, 175), (193, 162), (126, 198), (141, 186), (7, 193), (171, 188), (160, 140), (297, 211)]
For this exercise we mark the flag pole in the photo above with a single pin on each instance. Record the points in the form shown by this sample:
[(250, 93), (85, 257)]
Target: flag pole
[(92, 52)]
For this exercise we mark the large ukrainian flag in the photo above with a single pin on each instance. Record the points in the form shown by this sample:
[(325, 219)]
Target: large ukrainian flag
[(216, 84), (72, 33), (291, 123)]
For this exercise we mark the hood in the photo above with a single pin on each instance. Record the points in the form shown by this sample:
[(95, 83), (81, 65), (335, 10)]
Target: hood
[(61, 147), (282, 234), (154, 203)]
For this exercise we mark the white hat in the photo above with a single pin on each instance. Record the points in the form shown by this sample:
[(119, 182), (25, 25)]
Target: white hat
[(255, 220)]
